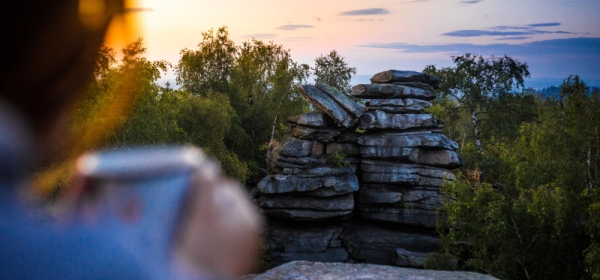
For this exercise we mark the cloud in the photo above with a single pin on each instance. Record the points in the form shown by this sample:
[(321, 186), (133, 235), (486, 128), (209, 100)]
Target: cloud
[(366, 12), (294, 26), (477, 33), (296, 39), (513, 38), (572, 46), (544, 24), (510, 30), (547, 58), (470, 2), (260, 36)]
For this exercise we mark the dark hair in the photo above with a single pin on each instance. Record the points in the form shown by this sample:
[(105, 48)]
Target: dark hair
[(48, 55)]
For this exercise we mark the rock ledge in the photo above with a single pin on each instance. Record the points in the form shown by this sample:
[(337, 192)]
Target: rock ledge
[(317, 270)]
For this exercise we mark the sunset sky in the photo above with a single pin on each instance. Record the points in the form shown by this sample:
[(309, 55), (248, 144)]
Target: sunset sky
[(555, 37)]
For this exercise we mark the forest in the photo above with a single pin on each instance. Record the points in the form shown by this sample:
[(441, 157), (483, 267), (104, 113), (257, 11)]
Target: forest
[(526, 204)]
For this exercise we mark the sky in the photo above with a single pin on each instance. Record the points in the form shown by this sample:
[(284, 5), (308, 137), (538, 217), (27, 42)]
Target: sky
[(556, 38)]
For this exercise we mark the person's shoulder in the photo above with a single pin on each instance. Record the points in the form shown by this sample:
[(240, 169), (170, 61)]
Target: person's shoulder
[(33, 250)]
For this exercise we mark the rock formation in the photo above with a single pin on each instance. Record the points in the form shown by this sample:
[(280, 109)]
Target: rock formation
[(341, 195), (346, 271)]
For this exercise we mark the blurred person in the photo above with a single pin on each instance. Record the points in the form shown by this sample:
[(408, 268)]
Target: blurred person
[(186, 223)]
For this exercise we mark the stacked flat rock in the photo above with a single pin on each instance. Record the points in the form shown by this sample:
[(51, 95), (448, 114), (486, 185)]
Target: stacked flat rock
[(306, 185), (316, 210), (405, 158), (314, 181)]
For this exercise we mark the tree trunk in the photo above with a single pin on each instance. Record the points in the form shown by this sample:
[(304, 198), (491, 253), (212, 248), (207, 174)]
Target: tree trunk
[(476, 130)]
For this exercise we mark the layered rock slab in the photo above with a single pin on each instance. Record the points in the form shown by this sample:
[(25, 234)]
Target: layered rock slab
[(385, 91), (301, 270), (329, 106), (394, 76)]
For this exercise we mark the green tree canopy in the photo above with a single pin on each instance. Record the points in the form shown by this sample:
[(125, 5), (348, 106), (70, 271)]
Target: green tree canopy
[(334, 71)]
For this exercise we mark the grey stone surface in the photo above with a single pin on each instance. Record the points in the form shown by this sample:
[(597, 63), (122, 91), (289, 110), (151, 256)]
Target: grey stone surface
[(293, 162), (410, 259), (329, 255), (406, 216), (318, 171), (404, 174), (391, 76), (408, 140), (324, 102), (343, 202), (347, 149), (407, 197), (347, 137), (278, 183), (378, 196), (442, 158), (379, 120), (305, 270), (398, 106), (415, 84), (384, 91), (319, 134), (294, 147), (312, 119), (302, 238), (355, 109), (380, 166), (304, 214), (377, 245)]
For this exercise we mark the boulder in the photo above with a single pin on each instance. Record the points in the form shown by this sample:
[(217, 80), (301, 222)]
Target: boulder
[(312, 119), (341, 184), (408, 140), (294, 147), (301, 270), (355, 109), (324, 102), (380, 120), (343, 202), (392, 76), (384, 91)]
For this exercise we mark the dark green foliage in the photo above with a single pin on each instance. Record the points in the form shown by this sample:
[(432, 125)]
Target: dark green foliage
[(146, 113), (542, 222), (260, 81), (334, 71)]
